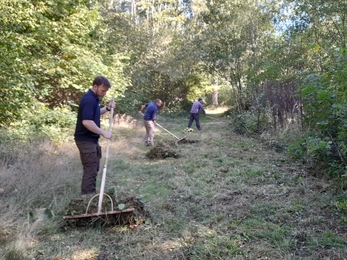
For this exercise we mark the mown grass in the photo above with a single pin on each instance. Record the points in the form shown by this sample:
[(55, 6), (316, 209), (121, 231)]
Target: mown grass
[(225, 197)]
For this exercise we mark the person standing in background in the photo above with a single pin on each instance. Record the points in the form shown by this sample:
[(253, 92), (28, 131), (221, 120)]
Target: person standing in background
[(88, 131), (194, 114), (149, 119)]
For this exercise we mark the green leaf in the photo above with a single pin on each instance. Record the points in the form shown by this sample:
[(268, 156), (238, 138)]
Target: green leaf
[(48, 213), (121, 206)]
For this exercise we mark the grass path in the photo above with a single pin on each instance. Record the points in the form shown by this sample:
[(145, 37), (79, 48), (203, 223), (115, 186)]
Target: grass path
[(225, 197)]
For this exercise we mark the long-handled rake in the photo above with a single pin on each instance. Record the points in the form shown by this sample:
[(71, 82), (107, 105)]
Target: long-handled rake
[(114, 214), (176, 137), (215, 118)]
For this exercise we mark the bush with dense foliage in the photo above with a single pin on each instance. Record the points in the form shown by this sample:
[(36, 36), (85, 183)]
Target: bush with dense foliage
[(325, 117)]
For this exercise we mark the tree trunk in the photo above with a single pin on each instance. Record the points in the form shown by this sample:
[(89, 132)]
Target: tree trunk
[(215, 97)]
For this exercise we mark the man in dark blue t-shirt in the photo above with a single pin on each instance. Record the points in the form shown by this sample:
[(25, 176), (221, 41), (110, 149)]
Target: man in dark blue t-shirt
[(149, 119), (88, 132)]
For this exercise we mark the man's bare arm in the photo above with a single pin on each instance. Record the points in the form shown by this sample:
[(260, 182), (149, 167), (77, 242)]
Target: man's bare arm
[(91, 126)]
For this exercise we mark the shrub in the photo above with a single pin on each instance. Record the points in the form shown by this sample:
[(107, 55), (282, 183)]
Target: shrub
[(244, 123), (325, 113)]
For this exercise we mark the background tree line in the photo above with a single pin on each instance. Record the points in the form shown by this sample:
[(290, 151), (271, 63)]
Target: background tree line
[(274, 63)]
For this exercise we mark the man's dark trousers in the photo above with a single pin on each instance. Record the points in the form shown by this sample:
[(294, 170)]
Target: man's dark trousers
[(194, 116), (90, 154)]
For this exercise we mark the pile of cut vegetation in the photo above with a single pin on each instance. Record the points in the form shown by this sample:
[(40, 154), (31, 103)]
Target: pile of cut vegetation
[(162, 151), (186, 141), (181, 141)]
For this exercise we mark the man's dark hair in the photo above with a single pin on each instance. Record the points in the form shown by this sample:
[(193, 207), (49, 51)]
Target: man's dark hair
[(100, 80), (199, 99)]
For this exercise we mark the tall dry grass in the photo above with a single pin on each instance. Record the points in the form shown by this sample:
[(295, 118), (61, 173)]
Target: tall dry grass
[(39, 178), (34, 176)]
